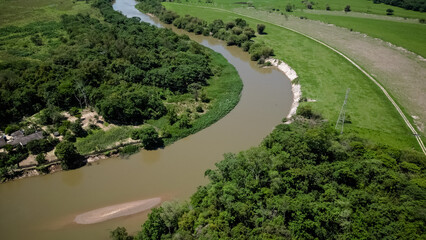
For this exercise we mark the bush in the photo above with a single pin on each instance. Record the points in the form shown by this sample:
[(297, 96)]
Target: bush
[(74, 111), (307, 112), (389, 11), (78, 130), (70, 137), (41, 159), (39, 146), (289, 8), (261, 28), (149, 137), (199, 109), (129, 150), (11, 128), (347, 8), (67, 153)]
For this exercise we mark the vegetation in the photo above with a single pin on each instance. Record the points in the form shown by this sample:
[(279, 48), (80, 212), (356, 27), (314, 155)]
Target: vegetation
[(67, 153), (235, 32), (149, 137), (106, 64), (415, 5), (407, 33), (325, 78), (303, 182)]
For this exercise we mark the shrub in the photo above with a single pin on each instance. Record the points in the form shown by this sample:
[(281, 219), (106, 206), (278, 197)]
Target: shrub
[(149, 137), (307, 112), (347, 8), (129, 150), (199, 109), (41, 159), (74, 111), (39, 146), (389, 11), (67, 153), (261, 28), (11, 128), (78, 130), (289, 8)]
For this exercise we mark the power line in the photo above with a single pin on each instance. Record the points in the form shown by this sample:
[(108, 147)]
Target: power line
[(341, 120)]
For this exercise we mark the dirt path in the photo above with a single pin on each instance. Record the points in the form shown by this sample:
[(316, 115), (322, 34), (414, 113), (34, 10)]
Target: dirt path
[(401, 71)]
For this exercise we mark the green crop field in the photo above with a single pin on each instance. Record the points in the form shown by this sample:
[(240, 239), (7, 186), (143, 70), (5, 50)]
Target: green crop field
[(325, 76)]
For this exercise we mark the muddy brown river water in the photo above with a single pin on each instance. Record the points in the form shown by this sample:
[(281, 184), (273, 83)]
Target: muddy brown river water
[(44, 207)]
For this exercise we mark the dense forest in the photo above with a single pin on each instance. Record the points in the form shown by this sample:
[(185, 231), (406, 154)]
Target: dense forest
[(304, 181), (122, 67), (126, 71), (415, 5), (236, 32)]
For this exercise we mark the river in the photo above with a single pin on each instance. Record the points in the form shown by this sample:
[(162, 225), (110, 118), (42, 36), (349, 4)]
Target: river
[(44, 207)]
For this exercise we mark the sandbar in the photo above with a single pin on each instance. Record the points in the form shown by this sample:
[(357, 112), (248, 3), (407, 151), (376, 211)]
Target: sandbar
[(118, 210)]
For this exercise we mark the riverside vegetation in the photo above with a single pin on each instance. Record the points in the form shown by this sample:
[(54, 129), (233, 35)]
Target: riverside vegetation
[(323, 75), (130, 73), (304, 181)]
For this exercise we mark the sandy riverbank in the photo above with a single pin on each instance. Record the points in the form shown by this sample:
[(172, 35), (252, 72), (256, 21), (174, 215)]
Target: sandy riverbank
[(114, 211), (295, 87)]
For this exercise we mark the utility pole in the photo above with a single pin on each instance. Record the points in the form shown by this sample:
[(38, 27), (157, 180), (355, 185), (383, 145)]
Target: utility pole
[(341, 120)]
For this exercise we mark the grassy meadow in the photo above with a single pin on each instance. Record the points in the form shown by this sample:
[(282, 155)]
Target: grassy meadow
[(396, 29), (21, 12), (363, 6), (325, 76)]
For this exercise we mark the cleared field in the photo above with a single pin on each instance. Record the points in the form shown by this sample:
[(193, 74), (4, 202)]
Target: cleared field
[(325, 76), (20, 12)]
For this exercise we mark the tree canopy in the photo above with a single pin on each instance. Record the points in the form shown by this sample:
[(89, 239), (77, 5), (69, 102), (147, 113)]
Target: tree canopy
[(119, 65), (303, 182)]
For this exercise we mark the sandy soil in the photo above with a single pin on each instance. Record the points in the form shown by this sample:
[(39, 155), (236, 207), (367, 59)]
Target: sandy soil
[(114, 211), (402, 73), (295, 88)]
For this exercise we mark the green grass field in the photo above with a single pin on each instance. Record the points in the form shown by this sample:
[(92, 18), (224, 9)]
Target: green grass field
[(409, 34), (364, 6), (325, 76), (21, 12)]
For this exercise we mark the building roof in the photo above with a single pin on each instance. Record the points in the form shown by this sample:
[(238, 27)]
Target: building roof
[(17, 134), (26, 139), (2, 142)]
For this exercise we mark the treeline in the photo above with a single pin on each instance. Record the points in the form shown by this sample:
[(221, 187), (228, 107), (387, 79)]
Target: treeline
[(236, 32), (123, 68), (415, 5), (303, 182)]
